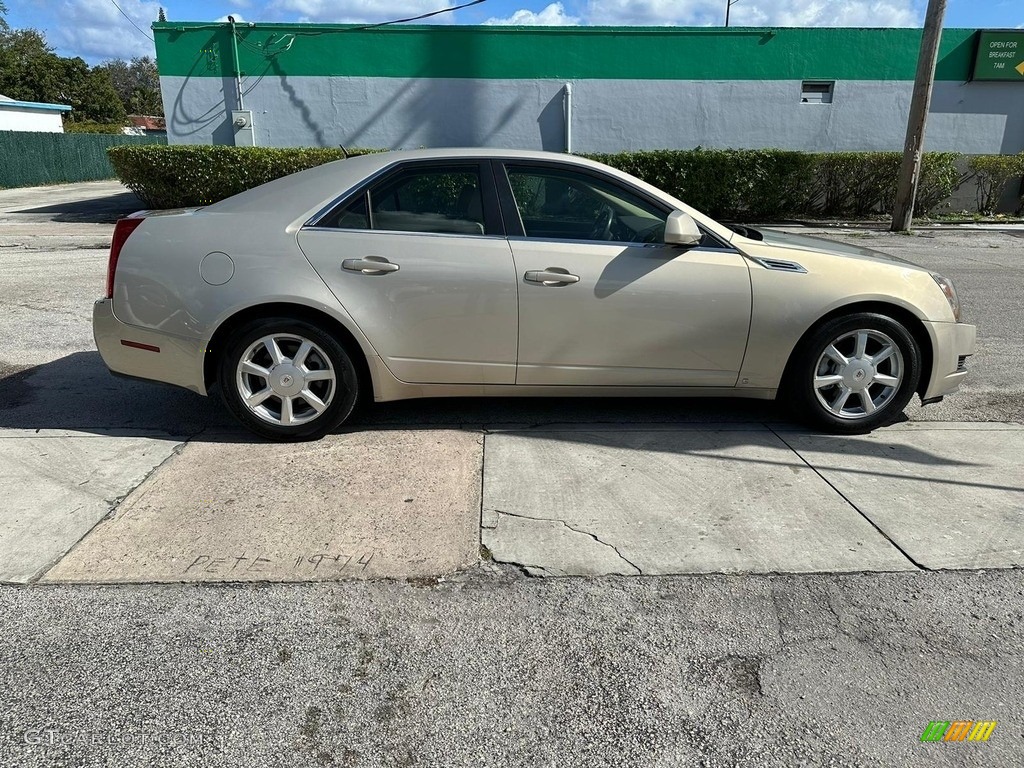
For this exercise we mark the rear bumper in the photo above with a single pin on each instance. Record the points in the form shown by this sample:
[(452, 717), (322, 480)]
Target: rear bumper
[(146, 354), (952, 344)]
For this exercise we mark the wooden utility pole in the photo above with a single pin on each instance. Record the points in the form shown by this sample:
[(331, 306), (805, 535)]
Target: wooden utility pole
[(910, 171)]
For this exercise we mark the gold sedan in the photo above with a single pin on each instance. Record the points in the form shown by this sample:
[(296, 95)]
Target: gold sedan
[(480, 272)]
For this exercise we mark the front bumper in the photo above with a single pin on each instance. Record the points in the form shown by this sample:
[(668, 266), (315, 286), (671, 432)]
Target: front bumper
[(952, 343), (147, 354)]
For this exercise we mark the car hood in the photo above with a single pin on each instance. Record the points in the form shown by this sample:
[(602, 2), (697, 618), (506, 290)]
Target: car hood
[(821, 245)]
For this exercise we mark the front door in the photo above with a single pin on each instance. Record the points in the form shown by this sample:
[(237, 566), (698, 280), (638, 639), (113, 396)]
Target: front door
[(602, 299)]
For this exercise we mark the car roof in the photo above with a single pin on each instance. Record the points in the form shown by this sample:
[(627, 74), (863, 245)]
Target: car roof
[(307, 191)]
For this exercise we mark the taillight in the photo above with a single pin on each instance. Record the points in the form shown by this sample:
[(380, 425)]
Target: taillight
[(122, 230)]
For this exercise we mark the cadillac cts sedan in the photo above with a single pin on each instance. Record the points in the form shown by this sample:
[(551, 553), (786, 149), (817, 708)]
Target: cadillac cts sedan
[(479, 272)]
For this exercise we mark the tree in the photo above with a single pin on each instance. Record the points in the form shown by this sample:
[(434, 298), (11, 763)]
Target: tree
[(31, 71), (28, 67), (137, 84), (161, 16), (3, 12)]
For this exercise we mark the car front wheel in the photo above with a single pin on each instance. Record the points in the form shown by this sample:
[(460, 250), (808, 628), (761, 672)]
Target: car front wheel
[(854, 373), (287, 379)]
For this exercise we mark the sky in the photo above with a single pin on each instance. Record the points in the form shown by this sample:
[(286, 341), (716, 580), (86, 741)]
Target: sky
[(97, 30)]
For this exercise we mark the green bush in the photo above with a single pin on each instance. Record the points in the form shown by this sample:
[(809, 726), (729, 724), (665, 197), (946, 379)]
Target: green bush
[(92, 127), (763, 184), (758, 183), (750, 184), (992, 174), (853, 183), (189, 175), (940, 178)]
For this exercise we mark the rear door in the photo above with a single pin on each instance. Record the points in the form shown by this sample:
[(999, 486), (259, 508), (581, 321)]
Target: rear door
[(420, 261)]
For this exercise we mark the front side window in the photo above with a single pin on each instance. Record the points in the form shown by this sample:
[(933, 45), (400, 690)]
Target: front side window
[(556, 204), (441, 200)]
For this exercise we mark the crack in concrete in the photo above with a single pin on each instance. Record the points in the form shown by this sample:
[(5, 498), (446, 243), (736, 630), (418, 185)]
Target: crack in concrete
[(615, 549)]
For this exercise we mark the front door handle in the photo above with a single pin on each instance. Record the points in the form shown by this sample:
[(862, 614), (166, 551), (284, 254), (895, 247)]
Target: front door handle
[(551, 276), (371, 265)]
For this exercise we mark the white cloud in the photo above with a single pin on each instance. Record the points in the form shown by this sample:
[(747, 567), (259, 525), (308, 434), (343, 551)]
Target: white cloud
[(95, 30), (758, 13), (236, 16), (655, 13), (553, 15), (359, 11), (828, 13)]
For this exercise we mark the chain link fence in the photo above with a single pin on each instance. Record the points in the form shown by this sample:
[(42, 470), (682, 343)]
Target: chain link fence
[(28, 158)]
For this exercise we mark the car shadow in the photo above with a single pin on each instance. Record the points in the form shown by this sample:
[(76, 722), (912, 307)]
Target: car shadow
[(78, 393), (94, 210)]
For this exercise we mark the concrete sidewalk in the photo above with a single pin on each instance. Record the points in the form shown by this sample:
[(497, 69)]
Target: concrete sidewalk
[(578, 500), (755, 499)]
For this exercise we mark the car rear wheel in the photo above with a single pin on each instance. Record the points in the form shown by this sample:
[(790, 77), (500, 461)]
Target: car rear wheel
[(287, 379), (854, 373)]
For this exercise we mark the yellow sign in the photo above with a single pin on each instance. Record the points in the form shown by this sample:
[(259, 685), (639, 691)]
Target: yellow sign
[(1020, 68)]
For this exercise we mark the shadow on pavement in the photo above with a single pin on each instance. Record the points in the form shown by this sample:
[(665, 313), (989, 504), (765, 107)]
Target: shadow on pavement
[(78, 393), (95, 210)]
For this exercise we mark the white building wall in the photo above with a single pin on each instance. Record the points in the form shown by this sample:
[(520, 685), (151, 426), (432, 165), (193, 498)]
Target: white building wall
[(23, 119), (608, 115)]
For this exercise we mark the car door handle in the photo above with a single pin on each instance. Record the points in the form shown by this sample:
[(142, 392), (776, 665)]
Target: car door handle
[(371, 265), (551, 276)]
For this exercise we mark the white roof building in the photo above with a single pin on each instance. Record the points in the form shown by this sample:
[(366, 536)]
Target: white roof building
[(31, 116)]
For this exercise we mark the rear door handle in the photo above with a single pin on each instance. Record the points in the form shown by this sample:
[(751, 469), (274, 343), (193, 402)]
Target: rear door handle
[(551, 276), (371, 265)]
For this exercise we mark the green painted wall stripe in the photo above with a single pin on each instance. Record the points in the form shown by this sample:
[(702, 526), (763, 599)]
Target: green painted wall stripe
[(630, 53)]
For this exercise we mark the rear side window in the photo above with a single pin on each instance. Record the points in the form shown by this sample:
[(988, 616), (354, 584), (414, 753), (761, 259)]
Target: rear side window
[(445, 200)]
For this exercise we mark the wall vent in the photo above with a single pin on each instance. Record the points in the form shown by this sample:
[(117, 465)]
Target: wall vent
[(817, 91)]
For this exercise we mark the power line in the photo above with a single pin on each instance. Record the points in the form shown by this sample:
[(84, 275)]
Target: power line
[(317, 33), (423, 15), (141, 30)]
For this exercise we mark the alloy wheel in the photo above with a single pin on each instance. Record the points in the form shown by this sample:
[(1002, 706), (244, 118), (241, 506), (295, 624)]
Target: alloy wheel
[(858, 374), (285, 379)]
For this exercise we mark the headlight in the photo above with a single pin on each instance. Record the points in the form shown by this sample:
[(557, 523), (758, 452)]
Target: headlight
[(946, 286)]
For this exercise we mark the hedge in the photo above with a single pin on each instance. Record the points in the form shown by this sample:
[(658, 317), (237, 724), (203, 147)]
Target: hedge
[(187, 175), (993, 173), (755, 184), (93, 127)]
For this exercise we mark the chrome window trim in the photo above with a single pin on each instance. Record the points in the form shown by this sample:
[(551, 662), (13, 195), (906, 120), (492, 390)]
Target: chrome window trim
[(402, 232), (623, 243)]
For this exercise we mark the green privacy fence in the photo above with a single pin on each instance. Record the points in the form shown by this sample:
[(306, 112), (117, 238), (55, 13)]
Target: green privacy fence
[(29, 158)]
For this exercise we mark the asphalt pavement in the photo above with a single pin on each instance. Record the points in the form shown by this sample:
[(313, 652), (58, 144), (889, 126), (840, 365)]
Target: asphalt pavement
[(784, 599)]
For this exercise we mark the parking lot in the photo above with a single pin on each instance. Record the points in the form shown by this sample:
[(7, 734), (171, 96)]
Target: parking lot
[(761, 593)]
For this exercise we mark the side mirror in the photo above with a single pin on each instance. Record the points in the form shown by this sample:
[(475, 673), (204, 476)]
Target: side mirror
[(681, 229)]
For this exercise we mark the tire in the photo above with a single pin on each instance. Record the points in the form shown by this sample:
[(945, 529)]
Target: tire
[(281, 399), (853, 374)]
